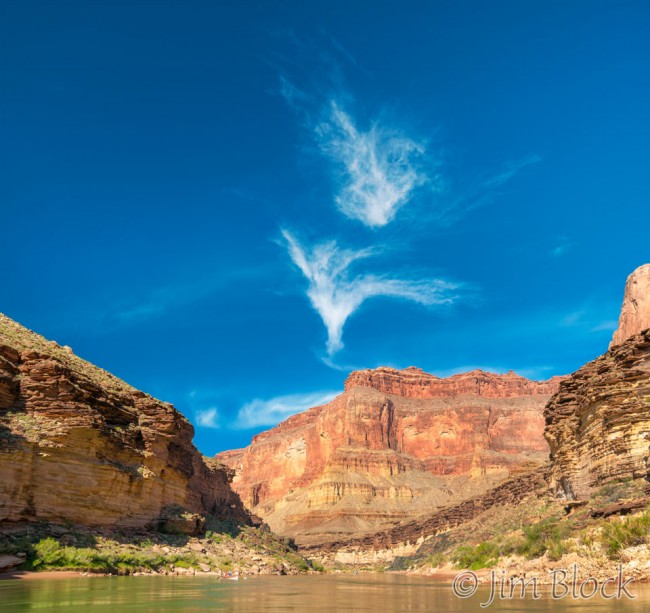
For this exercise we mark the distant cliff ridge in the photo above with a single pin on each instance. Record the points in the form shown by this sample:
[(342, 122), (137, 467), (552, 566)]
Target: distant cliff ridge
[(413, 382), (394, 445), (79, 445)]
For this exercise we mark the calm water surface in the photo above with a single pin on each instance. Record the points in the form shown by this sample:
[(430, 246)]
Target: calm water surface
[(359, 593)]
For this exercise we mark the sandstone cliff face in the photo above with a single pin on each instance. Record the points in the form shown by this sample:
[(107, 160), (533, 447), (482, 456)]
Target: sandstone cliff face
[(635, 313), (395, 445), (598, 424), (79, 445)]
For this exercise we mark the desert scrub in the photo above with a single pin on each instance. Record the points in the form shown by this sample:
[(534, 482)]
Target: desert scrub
[(545, 537), (435, 560), (223, 527), (225, 565), (549, 536), (474, 558), (49, 554), (618, 534), (317, 566), (588, 539), (620, 490), (300, 563), (485, 554), (181, 563)]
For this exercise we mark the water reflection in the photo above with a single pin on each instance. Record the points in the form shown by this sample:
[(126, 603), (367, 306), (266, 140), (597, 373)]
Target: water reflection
[(311, 594)]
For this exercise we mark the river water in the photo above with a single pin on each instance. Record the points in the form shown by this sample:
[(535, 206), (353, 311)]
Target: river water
[(378, 593)]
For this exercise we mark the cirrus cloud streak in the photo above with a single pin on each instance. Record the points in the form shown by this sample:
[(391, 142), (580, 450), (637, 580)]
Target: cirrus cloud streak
[(379, 169), (272, 411), (336, 294)]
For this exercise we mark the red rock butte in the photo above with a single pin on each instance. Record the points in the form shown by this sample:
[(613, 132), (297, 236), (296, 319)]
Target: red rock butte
[(395, 445)]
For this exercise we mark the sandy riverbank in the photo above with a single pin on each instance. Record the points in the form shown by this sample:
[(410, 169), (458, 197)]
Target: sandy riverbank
[(28, 575)]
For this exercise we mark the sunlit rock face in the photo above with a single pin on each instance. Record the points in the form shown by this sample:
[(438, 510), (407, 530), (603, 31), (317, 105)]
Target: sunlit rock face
[(79, 445), (635, 312), (395, 445), (598, 424)]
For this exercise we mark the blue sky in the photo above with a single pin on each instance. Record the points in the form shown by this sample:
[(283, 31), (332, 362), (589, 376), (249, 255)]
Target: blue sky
[(232, 204)]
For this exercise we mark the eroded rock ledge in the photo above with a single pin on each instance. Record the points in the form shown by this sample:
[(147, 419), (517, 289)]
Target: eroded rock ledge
[(79, 445), (598, 424)]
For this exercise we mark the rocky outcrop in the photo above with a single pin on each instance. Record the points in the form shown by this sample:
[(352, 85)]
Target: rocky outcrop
[(407, 538), (598, 424), (79, 445), (635, 312), (397, 444)]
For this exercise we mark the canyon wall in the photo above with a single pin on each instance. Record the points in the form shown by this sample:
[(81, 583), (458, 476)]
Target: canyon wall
[(397, 444), (79, 445), (598, 424)]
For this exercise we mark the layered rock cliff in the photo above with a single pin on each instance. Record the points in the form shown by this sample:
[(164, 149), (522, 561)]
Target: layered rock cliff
[(79, 445), (394, 446), (598, 424), (635, 312), (407, 538)]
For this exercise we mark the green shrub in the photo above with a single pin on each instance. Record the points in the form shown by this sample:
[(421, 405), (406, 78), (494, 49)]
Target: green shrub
[(300, 563), (627, 532), (48, 552), (317, 566), (547, 536), (474, 558)]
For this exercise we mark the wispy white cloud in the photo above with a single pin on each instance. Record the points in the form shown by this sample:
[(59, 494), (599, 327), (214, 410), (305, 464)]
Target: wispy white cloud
[(481, 192), (150, 303), (574, 318), (208, 418), (509, 170), (335, 294), (379, 169), (294, 96), (605, 326), (561, 248), (270, 412), (590, 319)]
